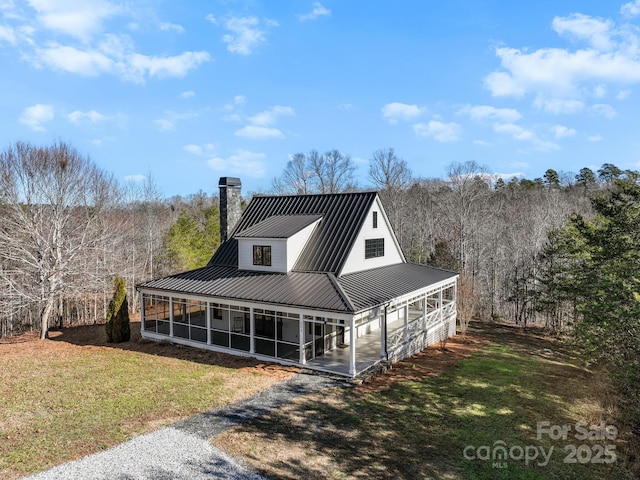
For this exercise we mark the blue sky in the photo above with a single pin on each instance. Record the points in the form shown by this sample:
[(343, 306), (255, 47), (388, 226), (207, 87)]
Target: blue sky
[(191, 91)]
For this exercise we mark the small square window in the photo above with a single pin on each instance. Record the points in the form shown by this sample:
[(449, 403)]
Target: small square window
[(262, 255)]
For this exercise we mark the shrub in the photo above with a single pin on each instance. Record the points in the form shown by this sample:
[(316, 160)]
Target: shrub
[(117, 325)]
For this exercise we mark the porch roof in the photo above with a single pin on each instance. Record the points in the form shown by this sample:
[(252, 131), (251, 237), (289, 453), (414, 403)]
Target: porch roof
[(350, 293), (318, 291), (371, 288)]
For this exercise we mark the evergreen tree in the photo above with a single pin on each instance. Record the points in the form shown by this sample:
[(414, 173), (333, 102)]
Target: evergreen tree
[(117, 325)]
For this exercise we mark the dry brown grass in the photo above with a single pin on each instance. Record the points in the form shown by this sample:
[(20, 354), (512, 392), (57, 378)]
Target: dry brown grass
[(75, 394)]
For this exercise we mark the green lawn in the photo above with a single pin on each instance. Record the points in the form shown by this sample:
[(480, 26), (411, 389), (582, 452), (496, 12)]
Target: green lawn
[(64, 398), (423, 428)]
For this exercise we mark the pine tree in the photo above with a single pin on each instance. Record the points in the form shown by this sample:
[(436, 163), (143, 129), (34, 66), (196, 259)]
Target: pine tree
[(117, 325)]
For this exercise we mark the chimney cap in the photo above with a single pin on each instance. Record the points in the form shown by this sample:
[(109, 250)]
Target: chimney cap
[(229, 182)]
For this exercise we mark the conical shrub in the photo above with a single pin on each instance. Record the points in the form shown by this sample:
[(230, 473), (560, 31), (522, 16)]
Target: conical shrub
[(117, 325)]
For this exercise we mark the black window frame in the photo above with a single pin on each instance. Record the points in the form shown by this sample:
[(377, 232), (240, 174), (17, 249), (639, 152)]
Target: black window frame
[(262, 255), (373, 248)]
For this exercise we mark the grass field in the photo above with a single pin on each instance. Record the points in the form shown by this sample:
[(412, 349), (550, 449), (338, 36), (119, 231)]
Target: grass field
[(415, 424), (74, 394)]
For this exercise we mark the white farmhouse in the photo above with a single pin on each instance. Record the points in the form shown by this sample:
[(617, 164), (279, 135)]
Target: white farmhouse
[(317, 281)]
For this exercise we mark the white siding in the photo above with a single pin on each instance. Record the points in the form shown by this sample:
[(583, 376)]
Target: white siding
[(278, 254), (392, 253), (284, 251), (296, 243)]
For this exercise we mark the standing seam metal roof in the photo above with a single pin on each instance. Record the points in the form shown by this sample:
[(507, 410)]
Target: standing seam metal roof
[(279, 226), (350, 293), (331, 241), (300, 289)]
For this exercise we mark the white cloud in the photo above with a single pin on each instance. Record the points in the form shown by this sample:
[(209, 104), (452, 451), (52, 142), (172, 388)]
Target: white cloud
[(523, 135), (89, 51), (194, 149), (515, 131), (481, 113), (502, 84), (482, 143), (77, 117), (509, 176), (583, 27), (610, 56), (600, 91), (560, 131), (110, 58), (595, 138), (79, 19), (441, 132), (176, 66), (135, 178), (242, 162), (70, 59), (246, 33), (165, 124), (239, 100), (396, 111), (7, 34), (269, 117), (603, 109), (558, 106), (631, 9), (36, 115), (622, 94), (318, 11), (187, 94), (171, 27), (258, 132)]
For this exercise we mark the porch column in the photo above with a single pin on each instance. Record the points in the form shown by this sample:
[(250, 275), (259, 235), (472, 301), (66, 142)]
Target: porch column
[(352, 348), (252, 329), (440, 314), (171, 316), (303, 357), (142, 314), (208, 307), (383, 332), (424, 312), (405, 312)]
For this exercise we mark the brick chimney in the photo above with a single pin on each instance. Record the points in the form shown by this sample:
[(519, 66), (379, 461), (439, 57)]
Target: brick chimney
[(230, 208)]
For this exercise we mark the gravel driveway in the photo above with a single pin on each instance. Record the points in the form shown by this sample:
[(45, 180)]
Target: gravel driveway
[(182, 451)]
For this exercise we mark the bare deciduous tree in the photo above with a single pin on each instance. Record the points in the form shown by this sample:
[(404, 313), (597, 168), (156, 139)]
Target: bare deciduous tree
[(54, 202)]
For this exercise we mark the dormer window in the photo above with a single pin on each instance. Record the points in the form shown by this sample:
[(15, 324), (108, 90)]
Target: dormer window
[(262, 255), (375, 219)]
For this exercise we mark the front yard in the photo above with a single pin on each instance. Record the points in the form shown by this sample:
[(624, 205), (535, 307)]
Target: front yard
[(499, 413), (75, 394)]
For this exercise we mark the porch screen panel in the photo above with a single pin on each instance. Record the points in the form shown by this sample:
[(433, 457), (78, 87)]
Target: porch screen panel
[(240, 319), (220, 324), (156, 313), (287, 336), (265, 331), (189, 319)]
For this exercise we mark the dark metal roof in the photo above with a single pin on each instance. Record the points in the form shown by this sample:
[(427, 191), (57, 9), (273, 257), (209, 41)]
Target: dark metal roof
[(316, 291), (378, 286), (330, 243), (278, 226), (350, 293)]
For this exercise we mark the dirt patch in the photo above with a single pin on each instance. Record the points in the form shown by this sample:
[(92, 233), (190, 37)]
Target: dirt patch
[(428, 363)]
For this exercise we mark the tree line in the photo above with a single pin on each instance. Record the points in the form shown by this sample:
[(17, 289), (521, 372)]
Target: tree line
[(68, 228)]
